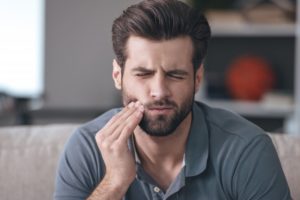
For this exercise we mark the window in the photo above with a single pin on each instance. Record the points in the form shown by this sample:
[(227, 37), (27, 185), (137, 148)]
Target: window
[(22, 47)]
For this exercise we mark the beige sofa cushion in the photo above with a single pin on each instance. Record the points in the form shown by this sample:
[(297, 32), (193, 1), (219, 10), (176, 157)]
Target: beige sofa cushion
[(28, 159), (288, 149)]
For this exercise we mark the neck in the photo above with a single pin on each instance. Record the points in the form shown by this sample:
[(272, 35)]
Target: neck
[(163, 151)]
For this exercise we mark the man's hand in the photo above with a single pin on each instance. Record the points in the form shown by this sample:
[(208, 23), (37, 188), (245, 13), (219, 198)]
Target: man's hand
[(112, 141)]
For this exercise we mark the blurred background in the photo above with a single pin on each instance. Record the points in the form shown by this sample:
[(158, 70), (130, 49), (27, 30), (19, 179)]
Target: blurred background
[(56, 60)]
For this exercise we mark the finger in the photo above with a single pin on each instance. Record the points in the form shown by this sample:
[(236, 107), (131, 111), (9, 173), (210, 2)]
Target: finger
[(130, 121), (112, 132), (114, 122), (131, 124), (119, 114)]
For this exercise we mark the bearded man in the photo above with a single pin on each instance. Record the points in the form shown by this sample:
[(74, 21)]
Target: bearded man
[(162, 144)]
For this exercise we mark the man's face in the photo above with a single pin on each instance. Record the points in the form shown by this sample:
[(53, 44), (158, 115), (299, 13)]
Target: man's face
[(160, 75)]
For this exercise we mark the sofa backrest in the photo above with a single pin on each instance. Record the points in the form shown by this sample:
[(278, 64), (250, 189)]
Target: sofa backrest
[(28, 160), (288, 149), (29, 157)]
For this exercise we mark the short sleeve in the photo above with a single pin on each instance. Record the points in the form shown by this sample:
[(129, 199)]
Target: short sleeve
[(258, 175), (80, 168)]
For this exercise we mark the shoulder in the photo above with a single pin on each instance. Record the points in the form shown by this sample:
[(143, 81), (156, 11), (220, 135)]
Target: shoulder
[(87, 131), (81, 163), (225, 124), (232, 137), (239, 151), (96, 124), (81, 147), (81, 144)]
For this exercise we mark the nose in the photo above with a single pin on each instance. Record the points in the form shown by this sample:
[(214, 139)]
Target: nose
[(160, 88)]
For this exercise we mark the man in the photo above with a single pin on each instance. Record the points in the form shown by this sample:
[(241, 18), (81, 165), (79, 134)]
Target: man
[(162, 144)]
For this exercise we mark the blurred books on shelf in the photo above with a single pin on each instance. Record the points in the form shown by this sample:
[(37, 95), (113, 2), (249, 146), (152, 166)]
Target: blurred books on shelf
[(264, 14), (261, 20)]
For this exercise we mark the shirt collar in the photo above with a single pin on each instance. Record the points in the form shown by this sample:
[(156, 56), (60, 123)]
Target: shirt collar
[(134, 151), (196, 153), (197, 149)]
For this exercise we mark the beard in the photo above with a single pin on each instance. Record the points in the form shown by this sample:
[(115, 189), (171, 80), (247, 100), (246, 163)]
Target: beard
[(162, 124)]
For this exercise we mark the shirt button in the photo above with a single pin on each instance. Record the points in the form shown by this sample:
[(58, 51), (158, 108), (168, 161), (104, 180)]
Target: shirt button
[(156, 189)]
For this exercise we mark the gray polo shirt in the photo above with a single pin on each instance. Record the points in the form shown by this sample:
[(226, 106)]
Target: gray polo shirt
[(226, 157)]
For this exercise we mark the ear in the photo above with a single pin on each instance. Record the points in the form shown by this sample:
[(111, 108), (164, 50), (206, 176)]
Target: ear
[(198, 77), (117, 75)]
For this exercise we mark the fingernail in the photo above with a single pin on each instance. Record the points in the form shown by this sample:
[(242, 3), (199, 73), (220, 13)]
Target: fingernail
[(131, 104), (141, 108), (137, 104)]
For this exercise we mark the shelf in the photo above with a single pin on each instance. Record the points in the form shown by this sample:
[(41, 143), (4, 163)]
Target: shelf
[(253, 30), (253, 109)]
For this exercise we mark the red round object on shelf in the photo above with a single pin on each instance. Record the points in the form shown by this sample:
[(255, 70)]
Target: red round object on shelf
[(249, 78)]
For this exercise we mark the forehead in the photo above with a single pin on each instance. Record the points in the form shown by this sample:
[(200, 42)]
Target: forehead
[(142, 52)]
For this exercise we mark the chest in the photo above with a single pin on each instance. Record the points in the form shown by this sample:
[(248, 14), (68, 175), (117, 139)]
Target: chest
[(205, 186), (164, 177)]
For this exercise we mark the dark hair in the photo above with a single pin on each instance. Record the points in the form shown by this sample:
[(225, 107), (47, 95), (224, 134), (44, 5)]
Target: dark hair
[(161, 20)]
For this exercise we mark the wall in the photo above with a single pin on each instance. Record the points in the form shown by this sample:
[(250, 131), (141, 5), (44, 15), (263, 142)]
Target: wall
[(79, 54)]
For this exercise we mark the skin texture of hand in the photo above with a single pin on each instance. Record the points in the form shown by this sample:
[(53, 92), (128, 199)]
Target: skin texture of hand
[(112, 142)]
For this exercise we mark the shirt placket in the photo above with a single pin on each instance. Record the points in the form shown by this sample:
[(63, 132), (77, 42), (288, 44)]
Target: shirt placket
[(156, 192)]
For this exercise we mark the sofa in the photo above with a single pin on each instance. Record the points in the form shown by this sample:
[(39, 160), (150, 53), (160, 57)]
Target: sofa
[(29, 157)]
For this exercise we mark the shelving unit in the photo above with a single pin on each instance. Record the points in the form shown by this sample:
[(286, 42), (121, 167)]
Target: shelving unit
[(265, 36), (253, 30), (253, 109)]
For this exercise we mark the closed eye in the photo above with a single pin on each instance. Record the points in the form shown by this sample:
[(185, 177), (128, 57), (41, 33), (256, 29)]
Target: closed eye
[(143, 74), (177, 74)]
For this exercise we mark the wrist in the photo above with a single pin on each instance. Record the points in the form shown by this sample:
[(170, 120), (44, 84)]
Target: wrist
[(115, 185)]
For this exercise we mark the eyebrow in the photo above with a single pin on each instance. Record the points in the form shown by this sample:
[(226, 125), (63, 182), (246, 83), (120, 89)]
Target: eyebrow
[(141, 69)]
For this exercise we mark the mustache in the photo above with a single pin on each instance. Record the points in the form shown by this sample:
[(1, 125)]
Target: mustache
[(160, 103)]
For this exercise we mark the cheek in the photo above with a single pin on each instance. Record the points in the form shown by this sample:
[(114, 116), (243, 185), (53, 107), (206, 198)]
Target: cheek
[(184, 87), (133, 91), (184, 91), (134, 86)]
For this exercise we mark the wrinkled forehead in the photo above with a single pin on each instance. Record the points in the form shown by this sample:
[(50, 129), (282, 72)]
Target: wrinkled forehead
[(172, 53)]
